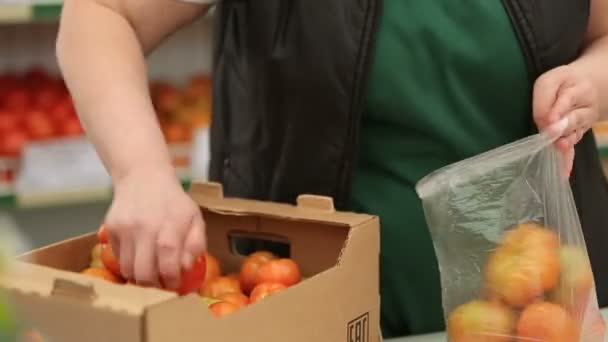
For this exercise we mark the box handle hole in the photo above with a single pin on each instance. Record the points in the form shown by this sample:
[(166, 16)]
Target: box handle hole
[(246, 243)]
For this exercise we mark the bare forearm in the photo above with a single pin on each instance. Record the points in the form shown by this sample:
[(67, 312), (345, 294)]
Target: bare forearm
[(101, 54), (594, 63)]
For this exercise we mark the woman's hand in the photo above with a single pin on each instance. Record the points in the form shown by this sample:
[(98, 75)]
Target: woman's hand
[(156, 229), (566, 92)]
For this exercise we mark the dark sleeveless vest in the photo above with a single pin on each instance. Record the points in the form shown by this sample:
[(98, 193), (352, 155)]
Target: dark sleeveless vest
[(289, 83)]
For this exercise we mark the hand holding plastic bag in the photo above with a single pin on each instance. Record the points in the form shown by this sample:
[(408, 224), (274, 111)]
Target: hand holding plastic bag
[(511, 252)]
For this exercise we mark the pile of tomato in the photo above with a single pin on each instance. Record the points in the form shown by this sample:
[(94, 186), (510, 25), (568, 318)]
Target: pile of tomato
[(34, 106), (262, 274)]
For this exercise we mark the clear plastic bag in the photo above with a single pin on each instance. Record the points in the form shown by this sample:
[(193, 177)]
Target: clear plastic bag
[(511, 253)]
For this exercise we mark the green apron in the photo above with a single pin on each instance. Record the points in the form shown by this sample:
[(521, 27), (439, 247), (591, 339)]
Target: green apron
[(449, 81)]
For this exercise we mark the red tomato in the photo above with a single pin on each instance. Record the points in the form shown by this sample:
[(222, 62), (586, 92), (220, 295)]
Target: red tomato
[(36, 77), (284, 271), (221, 309), (39, 126), (177, 133), (235, 298), (7, 176), (214, 269), (8, 121), (234, 276), (47, 97), (264, 290), (12, 143), (71, 127), (166, 98), (62, 110), (218, 286), (60, 84), (17, 99), (192, 280), (102, 235), (250, 267), (9, 80), (109, 260)]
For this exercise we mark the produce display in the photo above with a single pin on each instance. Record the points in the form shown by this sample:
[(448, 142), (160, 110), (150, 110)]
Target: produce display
[(262, 274), (181, 110), (36, 106)]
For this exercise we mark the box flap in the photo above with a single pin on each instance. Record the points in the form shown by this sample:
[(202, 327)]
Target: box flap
[(46, 282), (69, 320), (310, 208), (65, 255)]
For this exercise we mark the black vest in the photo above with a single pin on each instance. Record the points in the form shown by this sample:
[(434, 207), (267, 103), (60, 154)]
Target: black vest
[(289, 83)]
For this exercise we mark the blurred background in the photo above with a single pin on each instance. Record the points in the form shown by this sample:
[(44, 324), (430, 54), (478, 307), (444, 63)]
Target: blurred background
[(52, 185)]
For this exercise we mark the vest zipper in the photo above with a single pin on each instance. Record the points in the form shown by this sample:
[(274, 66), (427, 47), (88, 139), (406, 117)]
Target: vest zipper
[(349, 159), (527, 41)]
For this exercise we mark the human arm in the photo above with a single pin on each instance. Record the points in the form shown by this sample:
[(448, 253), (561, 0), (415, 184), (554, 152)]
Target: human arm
[(156, 229)]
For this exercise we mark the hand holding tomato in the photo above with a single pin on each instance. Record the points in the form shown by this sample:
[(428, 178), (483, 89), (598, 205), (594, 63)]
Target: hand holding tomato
[(191, 280), (156, 228)]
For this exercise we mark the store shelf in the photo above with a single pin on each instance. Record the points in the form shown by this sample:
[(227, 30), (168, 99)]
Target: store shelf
[(29, 12), (45, 200)]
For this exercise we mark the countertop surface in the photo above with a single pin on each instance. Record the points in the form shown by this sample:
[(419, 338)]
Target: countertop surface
[(440, 337)]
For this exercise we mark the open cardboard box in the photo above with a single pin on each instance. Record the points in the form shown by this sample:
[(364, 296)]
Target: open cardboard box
[(338, 301)]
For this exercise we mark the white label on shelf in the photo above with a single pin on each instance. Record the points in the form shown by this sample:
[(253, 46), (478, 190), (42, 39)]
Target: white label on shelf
[(63, 165), (200, 155)]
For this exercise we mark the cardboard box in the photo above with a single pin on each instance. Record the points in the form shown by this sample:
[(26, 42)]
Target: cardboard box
[(338, 302)]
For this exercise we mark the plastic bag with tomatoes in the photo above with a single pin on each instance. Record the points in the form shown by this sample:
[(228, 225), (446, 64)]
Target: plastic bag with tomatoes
[(510, 249)]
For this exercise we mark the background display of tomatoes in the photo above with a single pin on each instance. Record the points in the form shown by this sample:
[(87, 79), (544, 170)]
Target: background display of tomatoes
[(37, 106), (34, 106), (263, 273)]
